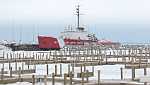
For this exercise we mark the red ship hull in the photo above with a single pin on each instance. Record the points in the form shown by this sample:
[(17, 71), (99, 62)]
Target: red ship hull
[(48, 42)]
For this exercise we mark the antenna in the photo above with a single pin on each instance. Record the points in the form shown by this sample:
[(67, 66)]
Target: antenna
[(78, 16), (78, 19)]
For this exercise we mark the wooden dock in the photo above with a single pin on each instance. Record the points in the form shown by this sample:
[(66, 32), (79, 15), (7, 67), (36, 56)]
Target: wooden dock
[(132, 56)]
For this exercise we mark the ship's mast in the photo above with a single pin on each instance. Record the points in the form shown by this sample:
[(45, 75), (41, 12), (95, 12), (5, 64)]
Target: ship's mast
[(81, 29), (78, 16)]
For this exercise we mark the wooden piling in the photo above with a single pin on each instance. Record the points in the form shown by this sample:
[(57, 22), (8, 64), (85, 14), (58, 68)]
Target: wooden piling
[(81, 69), (121, 74), (98, 77), (87, 77), (145, 71), (68, 69), (9, 64), (2, 74), (72, 68), (84, 67), (10, 72), (55, 70), (28, 65), (3, 65), (133, 73), (60, 69), (16, 65), (22, 66), (82, 75), (45, 80), (93, 69), (47, 69), (33, 79), (53, 79), (65, 79), (19, 74), (70, 75)]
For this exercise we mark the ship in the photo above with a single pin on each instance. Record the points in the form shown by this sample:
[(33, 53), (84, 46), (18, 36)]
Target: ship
[(76, 37)]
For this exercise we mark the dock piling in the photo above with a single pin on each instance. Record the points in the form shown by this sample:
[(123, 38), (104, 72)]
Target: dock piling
[(45, 80), (121, 69), (70, 75), (53, 79), (2, 74), (47, 69), (60, 69), (98, 77), (65, 78), (87, 77), (19, 74), (55, 70), (133, 73), (33, 79), (10, 72)]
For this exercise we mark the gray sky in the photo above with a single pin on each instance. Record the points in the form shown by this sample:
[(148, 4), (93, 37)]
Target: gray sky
[(118, 20)]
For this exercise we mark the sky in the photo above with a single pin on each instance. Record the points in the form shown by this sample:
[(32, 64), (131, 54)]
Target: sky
[(116, 20)]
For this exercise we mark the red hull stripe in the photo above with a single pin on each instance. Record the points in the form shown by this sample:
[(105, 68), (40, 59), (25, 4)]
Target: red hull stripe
[(76, 42), (82, 42)]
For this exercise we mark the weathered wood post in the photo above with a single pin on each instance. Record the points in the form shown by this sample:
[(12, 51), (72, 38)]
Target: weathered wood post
[(133, 73), (16, 65), (84, 67), (81, 69), (2, 74), (121, 69), (45, 80), (73, 69), (19, 74), (9, 64), (65, 79), (87, 77), (53, 79), (10, 71), (60, 69), (55, 70), (33, 79), (68, 69), (145, 71), (47, 69), (28, 65), (82, 75), (70, 75), (106, 59), (23, 55), (99, 77), (3, 54), (93, 69), (8, 61), (22, 66)]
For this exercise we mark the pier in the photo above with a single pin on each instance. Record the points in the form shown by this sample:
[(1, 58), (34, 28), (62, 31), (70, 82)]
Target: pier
[(24, 63)]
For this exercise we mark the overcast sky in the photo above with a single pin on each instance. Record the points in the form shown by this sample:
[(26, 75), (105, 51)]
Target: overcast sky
[(117, 20)]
